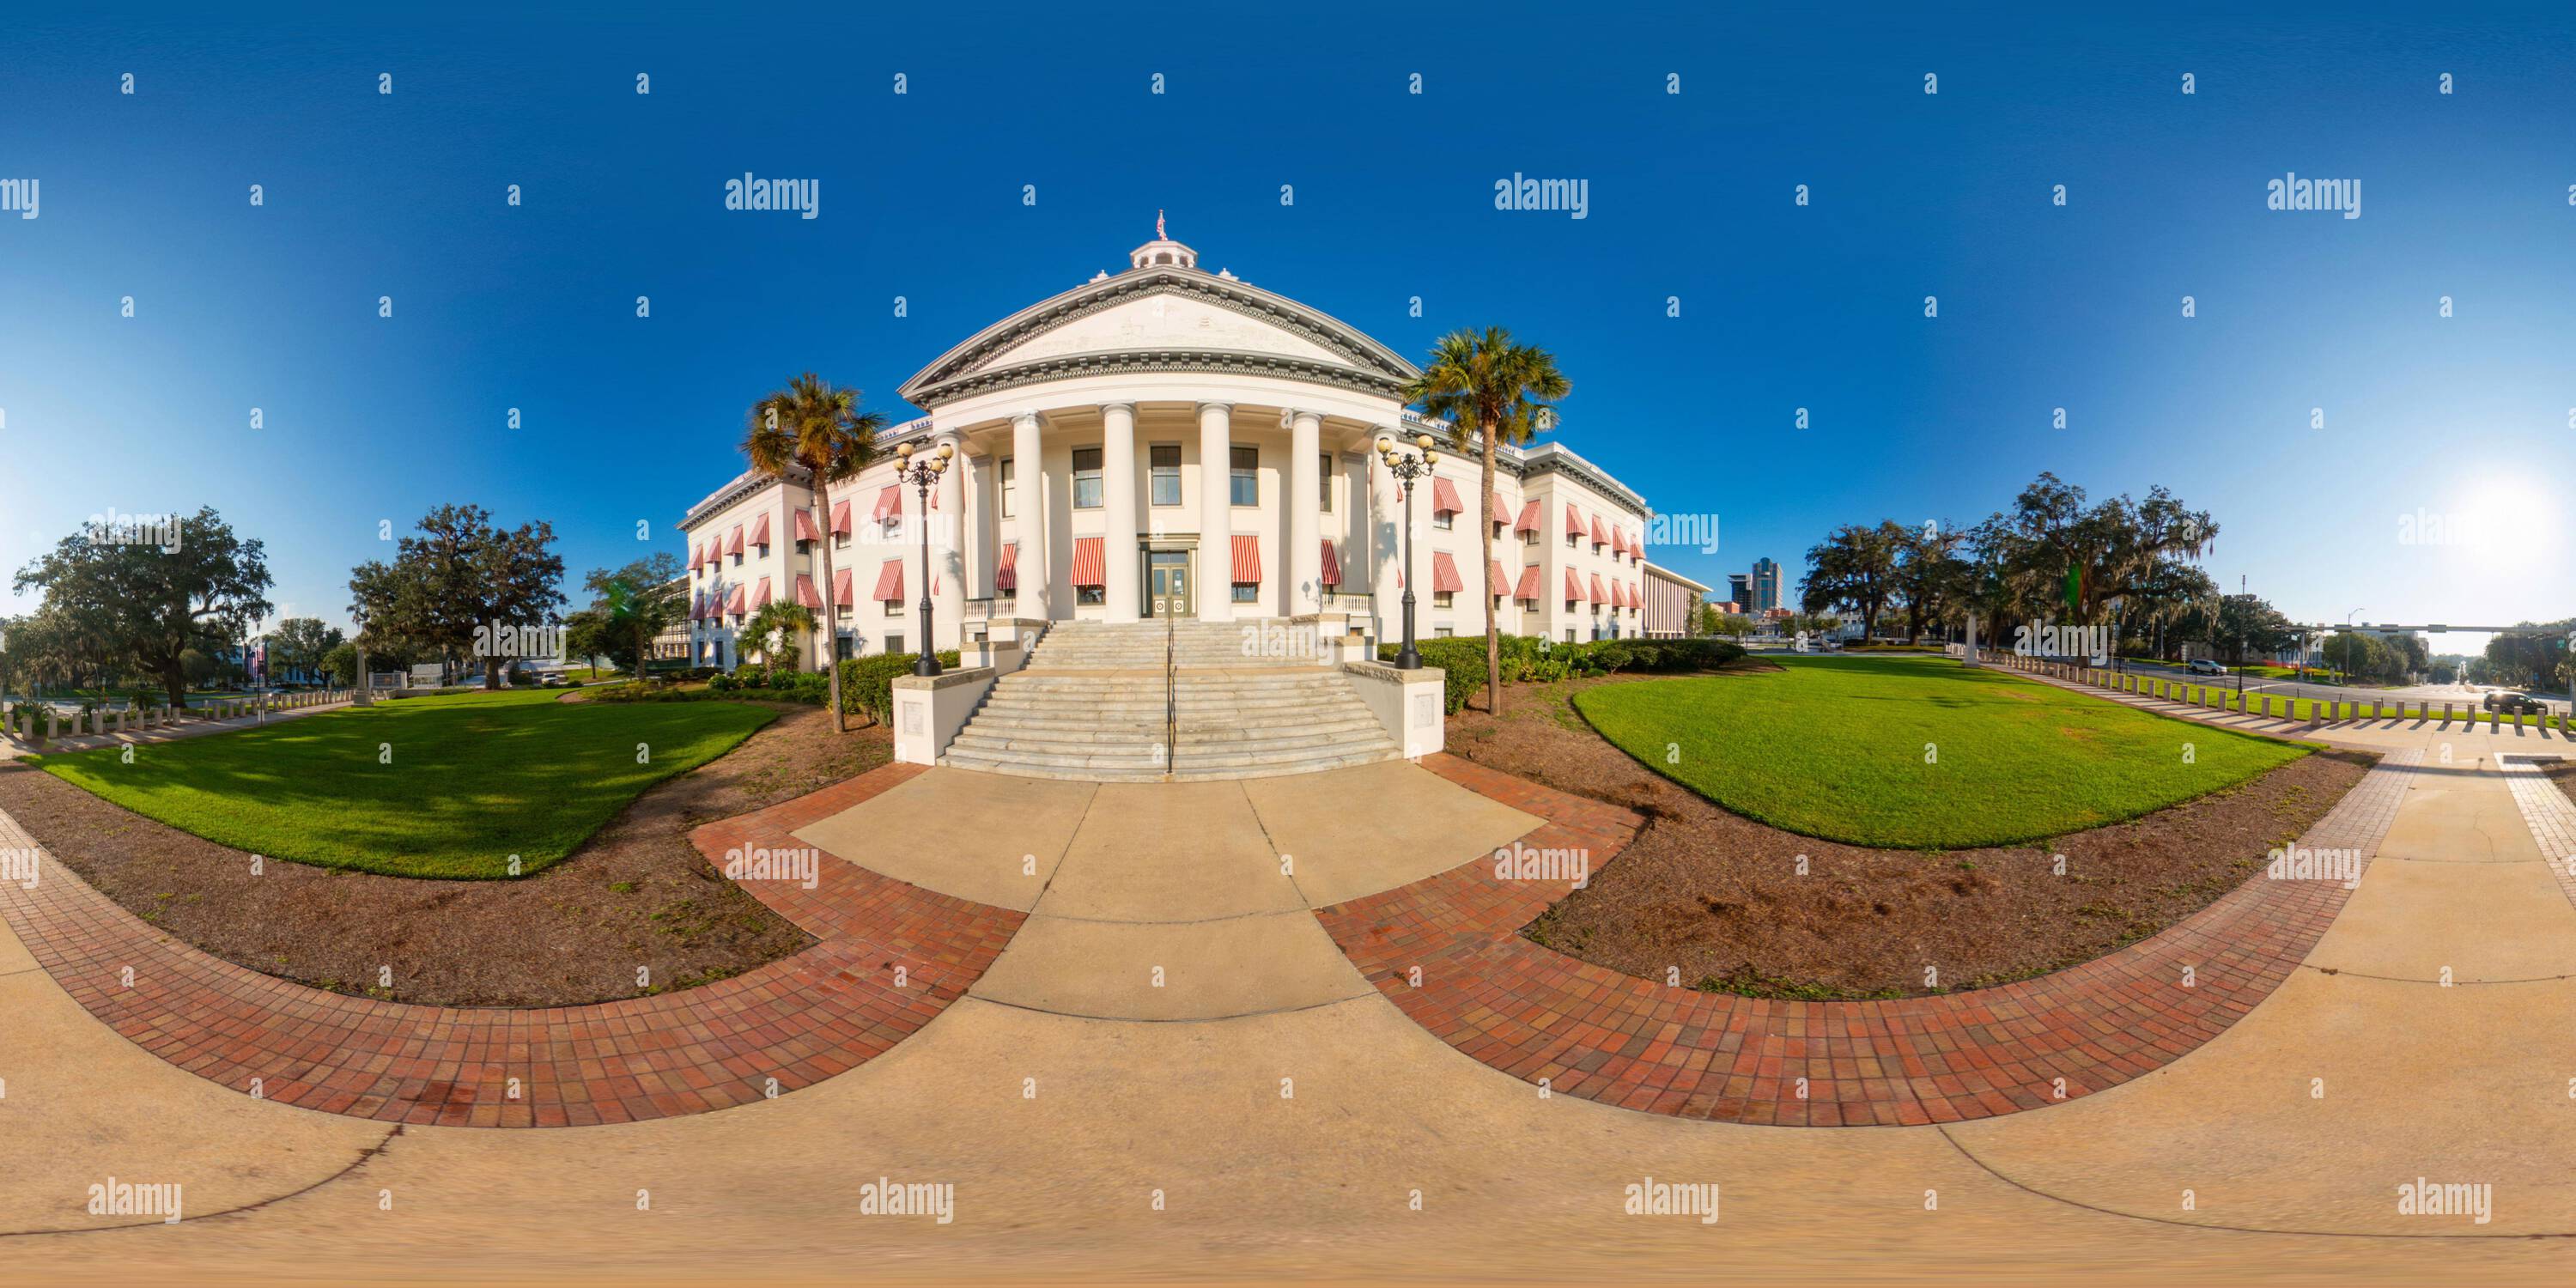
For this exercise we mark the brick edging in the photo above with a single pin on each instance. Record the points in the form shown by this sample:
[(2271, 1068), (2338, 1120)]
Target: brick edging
[(768, 1031), (1605, 1036)]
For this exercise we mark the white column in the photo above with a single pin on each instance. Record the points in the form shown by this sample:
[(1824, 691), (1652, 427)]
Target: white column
[(1028, 513), (1216, 512), (1118, 501), (979, 517), (948, 547), (1304, 565)]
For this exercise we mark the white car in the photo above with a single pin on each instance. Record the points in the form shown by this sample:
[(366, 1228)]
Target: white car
[(2203, 666)]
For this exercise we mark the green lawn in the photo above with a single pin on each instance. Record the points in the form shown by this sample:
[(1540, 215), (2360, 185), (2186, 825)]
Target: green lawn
[(1834, 747), (472, 779)]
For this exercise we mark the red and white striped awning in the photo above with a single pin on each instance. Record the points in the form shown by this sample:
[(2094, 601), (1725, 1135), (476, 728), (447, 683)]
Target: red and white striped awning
[(1502, 508), (805, 593), (1444, 573), (889, 503), (1090, 563), (1007, 576), (1529, 518), (1598, 595), (1444, 498), (697, 606), (889, 582), (1247, 560), (1497, 583), (760, 531), (841, 517), (1573, 586), (760, 595), (1332, 564), (805, 525), (1573, 521), (1600, 535), (1636, 597), (841, 584), (1528, 589), (735, 607), (733, 546)]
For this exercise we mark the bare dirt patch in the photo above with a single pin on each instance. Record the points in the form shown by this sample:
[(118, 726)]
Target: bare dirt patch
[(636, 895), (1721, 898)]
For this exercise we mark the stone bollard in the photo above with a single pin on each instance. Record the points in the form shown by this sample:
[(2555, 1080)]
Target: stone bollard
[(53, 724)]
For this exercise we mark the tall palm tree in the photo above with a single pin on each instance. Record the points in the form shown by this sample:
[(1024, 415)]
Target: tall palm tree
[(777, 627), (813, 426), (1490, 391)]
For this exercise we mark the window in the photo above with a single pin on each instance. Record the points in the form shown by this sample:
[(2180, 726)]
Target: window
[(1529, 537), (1246, 592), (1440, 598), (1573, 540), (1443, 520), (1569, 631), (1086, 478), (840, 541), (737, 559), (1442, 632), (894, 643), (845, 612), (1091, 594), (719, 662), (1247, 476), (1324, 481), (845, 648), (1165, 462), (1572, 605), (1006, 491)]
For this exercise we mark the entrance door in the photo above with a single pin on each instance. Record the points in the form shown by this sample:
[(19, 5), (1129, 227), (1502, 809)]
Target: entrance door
[(1168, 584)]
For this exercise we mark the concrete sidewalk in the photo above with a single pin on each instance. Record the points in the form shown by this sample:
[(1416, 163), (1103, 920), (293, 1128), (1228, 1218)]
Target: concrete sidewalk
[(12, 749)]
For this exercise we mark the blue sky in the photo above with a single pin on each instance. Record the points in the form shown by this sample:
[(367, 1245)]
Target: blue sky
[(2465, 195)]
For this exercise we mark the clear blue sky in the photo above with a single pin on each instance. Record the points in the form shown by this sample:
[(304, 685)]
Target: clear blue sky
[(628, 420)]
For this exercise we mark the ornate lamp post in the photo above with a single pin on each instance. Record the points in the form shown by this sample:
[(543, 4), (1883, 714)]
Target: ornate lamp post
[(921, 474), (1406, 469)]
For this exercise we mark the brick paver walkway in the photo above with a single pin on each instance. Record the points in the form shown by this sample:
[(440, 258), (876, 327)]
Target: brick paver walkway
[(772, 1030), (1605, 1036), (2549, 814)]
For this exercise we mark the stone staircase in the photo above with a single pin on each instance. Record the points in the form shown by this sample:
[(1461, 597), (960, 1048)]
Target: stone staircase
[(1090, 704)]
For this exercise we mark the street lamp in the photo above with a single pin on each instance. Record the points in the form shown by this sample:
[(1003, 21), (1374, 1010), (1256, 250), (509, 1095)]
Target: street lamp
[(1406, 469), (921, 475)]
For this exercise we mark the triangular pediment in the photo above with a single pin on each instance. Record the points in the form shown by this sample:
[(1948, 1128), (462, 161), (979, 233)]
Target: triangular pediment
[(1166, 315)]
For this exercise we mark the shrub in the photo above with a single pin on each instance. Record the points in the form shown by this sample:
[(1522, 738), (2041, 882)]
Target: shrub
[(1526, 660), (867, 683)]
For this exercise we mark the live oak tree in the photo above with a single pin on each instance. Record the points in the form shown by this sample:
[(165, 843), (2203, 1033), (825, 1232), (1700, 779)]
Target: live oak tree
[(815, 430), (629, 607), (1490, 390), (1855, 568), (147, 604), (460, 573), (300, 644)]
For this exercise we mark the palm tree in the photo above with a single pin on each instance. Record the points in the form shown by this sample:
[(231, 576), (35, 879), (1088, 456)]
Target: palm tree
[(812, 426), (778, 617), (1489, 390)]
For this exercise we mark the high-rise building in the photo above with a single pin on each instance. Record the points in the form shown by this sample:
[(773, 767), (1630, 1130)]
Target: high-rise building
[(1739, 588), (1766, 585)]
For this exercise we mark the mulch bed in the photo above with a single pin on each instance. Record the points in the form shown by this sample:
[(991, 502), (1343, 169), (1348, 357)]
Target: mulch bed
[(635, 895), (2563, 773), (1720, 896)]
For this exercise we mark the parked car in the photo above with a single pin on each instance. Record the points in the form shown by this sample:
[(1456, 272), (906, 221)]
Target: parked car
[(2507, 702), (2203, 666)]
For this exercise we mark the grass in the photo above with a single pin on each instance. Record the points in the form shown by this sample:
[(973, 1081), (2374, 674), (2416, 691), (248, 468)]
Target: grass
[(430, 787), (1836, 747), (586, 674)]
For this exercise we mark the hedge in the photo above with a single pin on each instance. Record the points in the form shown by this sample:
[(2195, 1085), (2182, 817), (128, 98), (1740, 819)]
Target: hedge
[(867, 683), (1528, 659)]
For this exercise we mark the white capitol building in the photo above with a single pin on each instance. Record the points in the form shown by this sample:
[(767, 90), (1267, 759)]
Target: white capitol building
[(1167, 441)]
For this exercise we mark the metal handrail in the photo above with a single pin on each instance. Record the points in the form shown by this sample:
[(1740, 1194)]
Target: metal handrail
[(1171, 693)]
